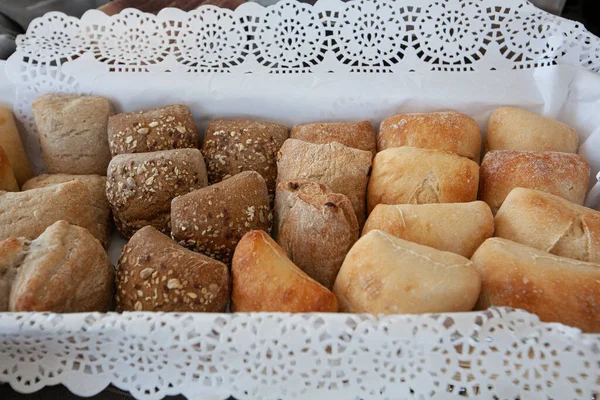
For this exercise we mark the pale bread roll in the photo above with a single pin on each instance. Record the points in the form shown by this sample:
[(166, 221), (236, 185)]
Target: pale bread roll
[(449, 131), (511, 128), (359, 135), (410, 175), (557, 289), (388, 275), (562, 174), (459, 228), (550, 223), (8, 182), (12, 145)]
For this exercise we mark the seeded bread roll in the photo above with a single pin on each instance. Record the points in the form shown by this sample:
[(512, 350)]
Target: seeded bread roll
[(562, 174), (459, 228), (449, 131), (511, 128), (64, 270), (316, 230), (156, 274), (383, 274), (234, 146), (12, 145), (95, 184), (557, 289), (214, 219), (140, 186), (343, 169), (165, 128), (8, 182), (358, 135), (264, 279), (410, 175), (72, 133), (27, 214)]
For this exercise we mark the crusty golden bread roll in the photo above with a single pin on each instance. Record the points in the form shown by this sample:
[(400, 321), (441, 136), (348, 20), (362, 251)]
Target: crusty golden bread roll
[(511, 128), (550, 223), (156, 274), (562, 174), (12, 145), (557, 289), (64, 270), (449, 131), (410, 175), (359, 135), (383, 274), (456, 227), (8, 182), (12, 253), (264, 279)]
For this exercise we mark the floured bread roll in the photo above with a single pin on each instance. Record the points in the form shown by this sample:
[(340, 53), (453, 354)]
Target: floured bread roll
[(359, 135)]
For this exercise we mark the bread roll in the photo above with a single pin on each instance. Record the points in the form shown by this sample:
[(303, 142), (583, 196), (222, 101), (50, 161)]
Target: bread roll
[(95, 184), (12, 145), (28, 214), (233, 146), (565, 175), (8, 182), (511, 128), (459, 228), (343, 169), (64, 270), (316, 230), (383, 274), (358, 135), (409, 175), (165, 128), (140, 186), (12, 253), (550, 223), (156, 274), (449, 131), (264, 279), (72, 133), (557, 289)]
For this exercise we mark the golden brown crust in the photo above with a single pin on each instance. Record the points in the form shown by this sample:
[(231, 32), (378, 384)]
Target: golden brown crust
[(264, 279), (448, 131), (156, 274), (557, 289), (166, 128), (12, 252), (410, 175), (8, 182), (358, 135), (562, 174), (11, 142), (212, 220), (511, 128)]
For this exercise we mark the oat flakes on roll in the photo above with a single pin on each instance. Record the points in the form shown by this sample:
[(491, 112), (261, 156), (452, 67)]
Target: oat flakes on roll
[(156, 274), (358, 135)]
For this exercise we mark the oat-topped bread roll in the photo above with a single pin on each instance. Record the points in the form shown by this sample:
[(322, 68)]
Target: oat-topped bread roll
[(410, 175), (72, 133), (140, 186), (511, 128), (550, 223), (562, 174), (315, 229), (456, 227), (156, 274), (557, 289), (12, 145), (388, 275), (64, 270), (212, 220), (165, 128), (359, 135), (95, 184), (343, 169), (233, 146), (449, 131), (8, 182), (264, 279), (27, 214)]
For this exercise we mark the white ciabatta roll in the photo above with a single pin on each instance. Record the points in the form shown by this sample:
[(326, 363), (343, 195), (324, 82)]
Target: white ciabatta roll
[(557, 289), (550, 223), (563, 174), (456, 227), (388, 275), (410, 175), (511, 128)]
